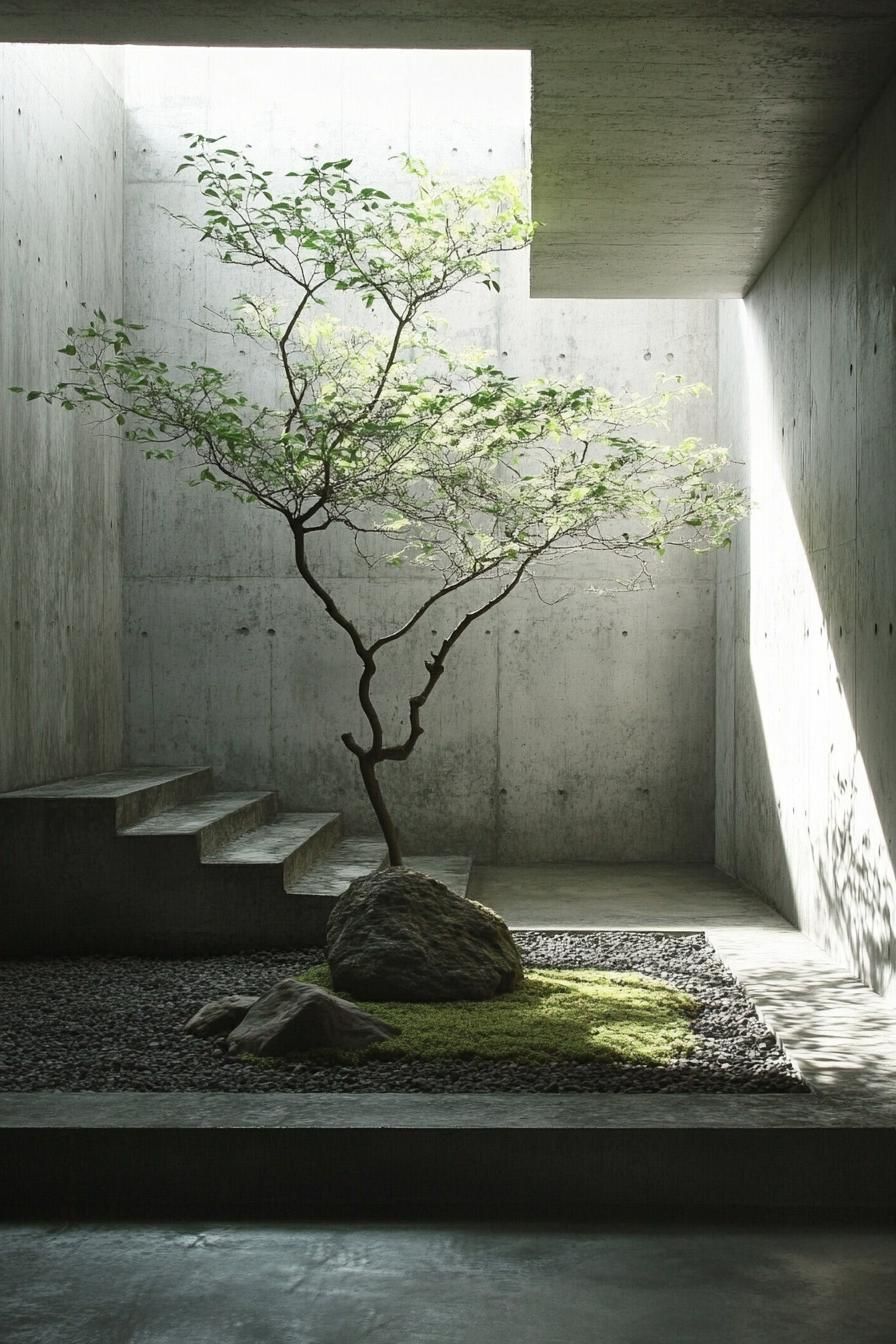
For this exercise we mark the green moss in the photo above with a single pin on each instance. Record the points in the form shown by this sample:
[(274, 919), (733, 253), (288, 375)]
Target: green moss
[(557, 1015)]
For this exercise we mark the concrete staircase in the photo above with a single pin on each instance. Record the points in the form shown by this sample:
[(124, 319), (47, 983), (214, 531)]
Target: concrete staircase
[(152, 860)]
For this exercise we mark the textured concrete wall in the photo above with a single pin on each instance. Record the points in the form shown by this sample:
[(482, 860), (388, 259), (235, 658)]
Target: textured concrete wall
[(581, 730), (806, 725), (61, 161)]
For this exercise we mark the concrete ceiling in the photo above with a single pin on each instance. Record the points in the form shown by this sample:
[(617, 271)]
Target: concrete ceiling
[(673, 141)]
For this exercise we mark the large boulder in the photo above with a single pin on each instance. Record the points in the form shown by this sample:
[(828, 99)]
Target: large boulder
[(398, 934), (293, 1017)]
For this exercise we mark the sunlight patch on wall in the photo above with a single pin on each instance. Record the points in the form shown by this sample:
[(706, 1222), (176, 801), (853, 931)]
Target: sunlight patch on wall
[(837, 856)]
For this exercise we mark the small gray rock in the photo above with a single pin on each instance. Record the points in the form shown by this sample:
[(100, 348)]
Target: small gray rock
[(221, 1015), (399, 935), (293, 1017)]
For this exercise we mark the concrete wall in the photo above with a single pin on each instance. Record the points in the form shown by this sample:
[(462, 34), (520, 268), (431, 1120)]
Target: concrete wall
[(581, 730), (806, 725), (61, 161)]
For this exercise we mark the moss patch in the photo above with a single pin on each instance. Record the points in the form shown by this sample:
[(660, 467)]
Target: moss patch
[(557, 1015)]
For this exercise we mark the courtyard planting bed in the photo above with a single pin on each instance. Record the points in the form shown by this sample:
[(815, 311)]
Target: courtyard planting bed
[(116, 1024)]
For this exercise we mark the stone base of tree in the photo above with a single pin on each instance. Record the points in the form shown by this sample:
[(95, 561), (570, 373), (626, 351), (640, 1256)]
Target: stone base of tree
[(400, 935)]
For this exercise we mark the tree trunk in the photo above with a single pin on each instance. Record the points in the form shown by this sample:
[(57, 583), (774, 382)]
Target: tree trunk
[(383, 816)]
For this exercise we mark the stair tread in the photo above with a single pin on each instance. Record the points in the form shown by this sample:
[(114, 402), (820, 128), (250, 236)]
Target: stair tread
[(109, 784), (275, 841), (189, 818), (453, 870), (356, 856)]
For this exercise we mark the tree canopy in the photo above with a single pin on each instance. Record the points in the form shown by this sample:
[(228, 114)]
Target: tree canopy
[(427, 455)]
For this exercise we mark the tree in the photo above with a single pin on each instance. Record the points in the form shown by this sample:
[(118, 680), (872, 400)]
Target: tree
[(425, 455)]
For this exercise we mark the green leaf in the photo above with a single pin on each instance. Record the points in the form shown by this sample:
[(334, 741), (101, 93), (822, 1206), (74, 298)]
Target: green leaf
[(67, 350), (421, 436), (32, 396), (17, 389)]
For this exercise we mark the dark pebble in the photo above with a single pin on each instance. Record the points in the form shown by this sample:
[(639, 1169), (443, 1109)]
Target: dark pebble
[(115, 1024)]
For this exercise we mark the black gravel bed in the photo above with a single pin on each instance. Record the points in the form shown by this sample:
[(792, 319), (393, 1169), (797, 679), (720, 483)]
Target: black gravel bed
[(115, 1024)]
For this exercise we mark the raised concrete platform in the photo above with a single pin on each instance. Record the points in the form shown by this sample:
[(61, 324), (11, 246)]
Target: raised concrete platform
[(215, 1155), (218, 1156)]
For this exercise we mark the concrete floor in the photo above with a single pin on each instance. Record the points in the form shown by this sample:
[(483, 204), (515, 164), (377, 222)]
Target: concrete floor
[(677, 896), (337, 1284)]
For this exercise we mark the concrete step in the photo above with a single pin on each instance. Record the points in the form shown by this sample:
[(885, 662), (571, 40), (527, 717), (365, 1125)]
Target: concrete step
[(150, 861), (125, 797), (208, 823), (291, 844), (353, 857), (451, 869)]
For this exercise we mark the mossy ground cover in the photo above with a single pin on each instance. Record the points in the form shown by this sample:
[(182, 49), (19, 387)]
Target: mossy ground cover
[(582, 1015)]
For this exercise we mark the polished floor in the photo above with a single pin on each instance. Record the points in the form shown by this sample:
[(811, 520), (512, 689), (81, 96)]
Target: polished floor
[(430, 1284)]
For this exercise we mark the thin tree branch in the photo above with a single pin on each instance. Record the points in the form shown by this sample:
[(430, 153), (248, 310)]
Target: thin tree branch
[(436, 666)]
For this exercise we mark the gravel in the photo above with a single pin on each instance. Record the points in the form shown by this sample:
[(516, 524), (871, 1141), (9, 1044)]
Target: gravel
[(102, 1024)]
